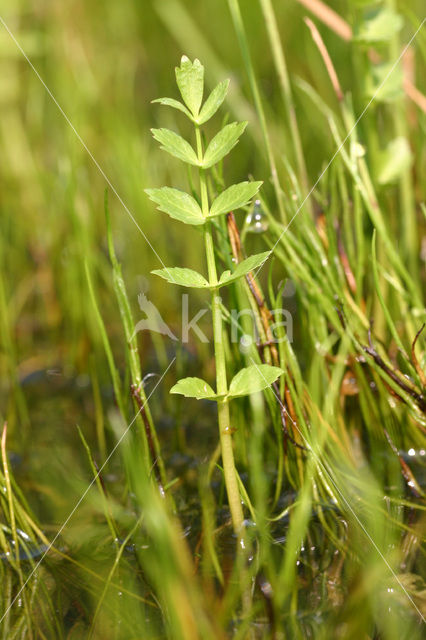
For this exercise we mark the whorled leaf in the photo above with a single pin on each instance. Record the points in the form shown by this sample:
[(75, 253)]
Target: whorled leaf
[(177, 204), (190, 80), (243, 268), (234, 197), (213, 102), (175, 145), (194, 388), (222, 143), (254, 378), (183, 277)]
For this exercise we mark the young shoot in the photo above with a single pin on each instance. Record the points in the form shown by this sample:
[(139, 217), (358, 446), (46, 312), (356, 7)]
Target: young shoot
[(184, 207)]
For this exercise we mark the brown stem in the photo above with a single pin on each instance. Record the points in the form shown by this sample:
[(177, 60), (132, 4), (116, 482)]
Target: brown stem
[(416, 363)]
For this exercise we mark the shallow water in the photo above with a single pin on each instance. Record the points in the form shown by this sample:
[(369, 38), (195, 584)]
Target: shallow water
[(53, 473)]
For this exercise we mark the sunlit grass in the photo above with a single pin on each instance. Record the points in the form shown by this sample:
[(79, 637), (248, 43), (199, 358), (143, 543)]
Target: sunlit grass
[(330, 460)]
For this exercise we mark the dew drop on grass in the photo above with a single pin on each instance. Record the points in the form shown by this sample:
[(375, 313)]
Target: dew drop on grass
[(256, 221), (246, 341)]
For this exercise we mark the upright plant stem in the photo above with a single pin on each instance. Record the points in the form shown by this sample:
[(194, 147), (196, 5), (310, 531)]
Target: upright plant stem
[(225, 431)]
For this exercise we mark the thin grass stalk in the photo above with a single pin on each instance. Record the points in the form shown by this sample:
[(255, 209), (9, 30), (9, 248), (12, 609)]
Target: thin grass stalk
[(245, 51), (108, 581), (107, 509), (149, 433), (99, 416), (386, 311), (282, 72), (407, 214), (8, 346), (116, 383), (362, 180), (10, 499)]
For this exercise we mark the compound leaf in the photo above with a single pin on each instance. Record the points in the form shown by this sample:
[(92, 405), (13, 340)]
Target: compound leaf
[(194, 388), (222, 143), (183, 277), (254, 378), (190, 80), (213, 102), (175, 145), (177, 204), (170, 102), (234, 197), (243, 268)]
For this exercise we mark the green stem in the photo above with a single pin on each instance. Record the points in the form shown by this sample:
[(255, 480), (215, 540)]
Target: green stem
[(225, 431), (405, 184), (234, 9), (282, 72)]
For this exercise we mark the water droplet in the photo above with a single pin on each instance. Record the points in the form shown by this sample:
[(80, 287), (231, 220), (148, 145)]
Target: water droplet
[(246, 340), (256, 220), (245, 343)]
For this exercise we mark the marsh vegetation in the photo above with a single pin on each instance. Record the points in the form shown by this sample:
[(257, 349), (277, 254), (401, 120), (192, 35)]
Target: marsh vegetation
[(242, 455)]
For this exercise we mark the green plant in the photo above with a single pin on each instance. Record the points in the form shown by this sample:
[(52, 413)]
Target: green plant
[(202, 212)]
